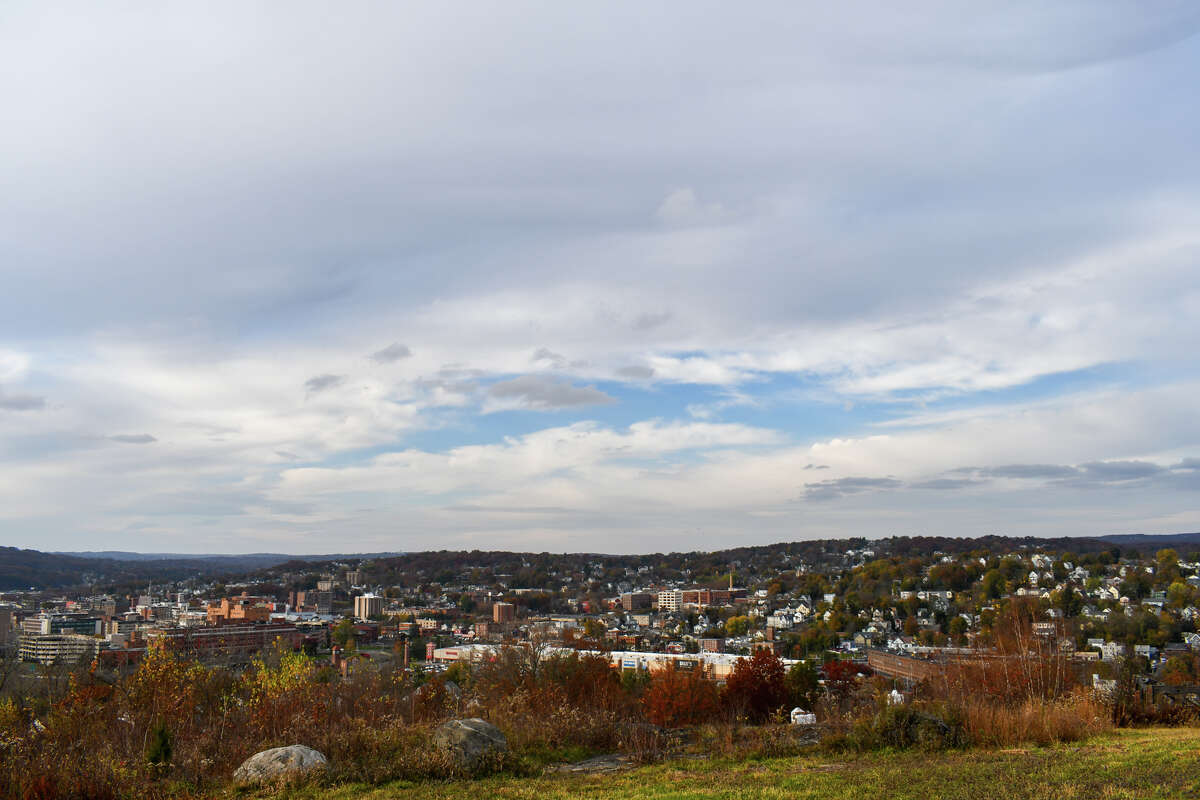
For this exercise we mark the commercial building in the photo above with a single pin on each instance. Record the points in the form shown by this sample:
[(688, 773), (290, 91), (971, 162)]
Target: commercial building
[(632, 601), (716, 666), (367, 606), (56, 648), (712, 597), (240, 610), (324, 602), (228, 640), (503, 612), (670, 600), (47, 624)]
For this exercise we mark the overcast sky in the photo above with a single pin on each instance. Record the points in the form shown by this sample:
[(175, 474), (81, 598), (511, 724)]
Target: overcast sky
[(641, 276)]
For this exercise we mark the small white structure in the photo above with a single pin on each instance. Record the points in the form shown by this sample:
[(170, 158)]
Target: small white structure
[(802, 717), (895, 698)]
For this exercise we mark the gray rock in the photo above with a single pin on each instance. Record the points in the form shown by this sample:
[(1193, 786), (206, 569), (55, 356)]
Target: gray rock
[(613, 762), (278, 762), (469, 740)]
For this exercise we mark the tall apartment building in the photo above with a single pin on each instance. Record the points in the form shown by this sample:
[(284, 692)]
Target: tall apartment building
[(323, 602), (503, 612), (367, 606), (632, 601), (670, 600), (354, 577), (6, 626)]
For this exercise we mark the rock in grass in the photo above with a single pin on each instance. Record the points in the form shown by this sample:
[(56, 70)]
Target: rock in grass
[(469, 740), (279, 762)]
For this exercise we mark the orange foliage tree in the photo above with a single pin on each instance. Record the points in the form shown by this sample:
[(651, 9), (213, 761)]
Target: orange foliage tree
[(677, 697)]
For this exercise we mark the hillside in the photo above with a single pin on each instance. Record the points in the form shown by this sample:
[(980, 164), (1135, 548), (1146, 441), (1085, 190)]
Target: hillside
[(1147, 763), (21, 569)]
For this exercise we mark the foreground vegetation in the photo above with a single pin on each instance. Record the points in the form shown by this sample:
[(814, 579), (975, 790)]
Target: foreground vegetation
[(1137, 763), (174, 727)]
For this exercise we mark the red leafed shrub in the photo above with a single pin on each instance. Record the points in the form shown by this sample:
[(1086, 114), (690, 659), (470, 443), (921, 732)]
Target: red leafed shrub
[(676, 697), (756, 688), (842, 678)]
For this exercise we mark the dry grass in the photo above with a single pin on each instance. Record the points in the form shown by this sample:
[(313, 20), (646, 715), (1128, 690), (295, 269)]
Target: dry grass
[(1072, 718)]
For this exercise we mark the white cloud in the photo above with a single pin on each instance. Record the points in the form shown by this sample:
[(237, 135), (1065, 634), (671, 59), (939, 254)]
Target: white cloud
[(682, 207), (902, 206)]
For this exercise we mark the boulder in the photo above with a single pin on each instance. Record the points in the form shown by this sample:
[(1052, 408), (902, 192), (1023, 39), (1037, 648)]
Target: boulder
[(469, 740), (279, 762)]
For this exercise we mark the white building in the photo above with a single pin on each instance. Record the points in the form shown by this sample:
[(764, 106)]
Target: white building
[(670, 600), (367, 606)]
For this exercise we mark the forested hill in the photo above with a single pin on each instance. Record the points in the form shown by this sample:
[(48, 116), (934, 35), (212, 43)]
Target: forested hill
[(22, 569), (25, 569)]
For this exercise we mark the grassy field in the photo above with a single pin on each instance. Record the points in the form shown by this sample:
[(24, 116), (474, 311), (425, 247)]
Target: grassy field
[(1155, 763)]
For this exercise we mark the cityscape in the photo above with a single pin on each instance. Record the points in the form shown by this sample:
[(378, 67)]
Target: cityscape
[(676, 400), (1098, 603)]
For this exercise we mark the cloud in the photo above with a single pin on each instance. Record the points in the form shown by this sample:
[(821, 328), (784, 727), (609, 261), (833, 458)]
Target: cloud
[(507, 510), (13, 365), (133, 438), (636, 372), (650, 320), (682, 207), (946, 484), (554, 359), (544, 394), (319, 383), (1028, 471), (1019, 295), (1113, 472), (391, 354), (841, 487), (21, 402)]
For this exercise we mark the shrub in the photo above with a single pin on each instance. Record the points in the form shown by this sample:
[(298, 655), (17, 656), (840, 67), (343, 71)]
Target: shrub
[(161, 746), (903, 727), (756, 687), (677, 697), (804, 686)]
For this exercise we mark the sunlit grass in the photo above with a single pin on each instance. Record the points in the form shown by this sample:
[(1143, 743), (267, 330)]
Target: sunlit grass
[(1153, 763)]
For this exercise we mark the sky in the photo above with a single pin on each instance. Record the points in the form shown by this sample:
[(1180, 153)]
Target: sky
[(621, 277)]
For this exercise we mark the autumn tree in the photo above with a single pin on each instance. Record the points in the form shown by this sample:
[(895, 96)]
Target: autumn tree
[(757, 687), (841, 679), (677, 697)]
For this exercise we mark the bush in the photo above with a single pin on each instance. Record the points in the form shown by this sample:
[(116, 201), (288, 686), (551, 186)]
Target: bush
[(677, 697), (756, 687), (904, 727), (158, 751)]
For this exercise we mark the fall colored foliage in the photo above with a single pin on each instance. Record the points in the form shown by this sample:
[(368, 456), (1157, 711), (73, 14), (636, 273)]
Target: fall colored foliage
[(678, 697), (756, 688)]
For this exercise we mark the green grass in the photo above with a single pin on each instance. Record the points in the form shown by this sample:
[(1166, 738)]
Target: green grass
[(1152, 763)]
